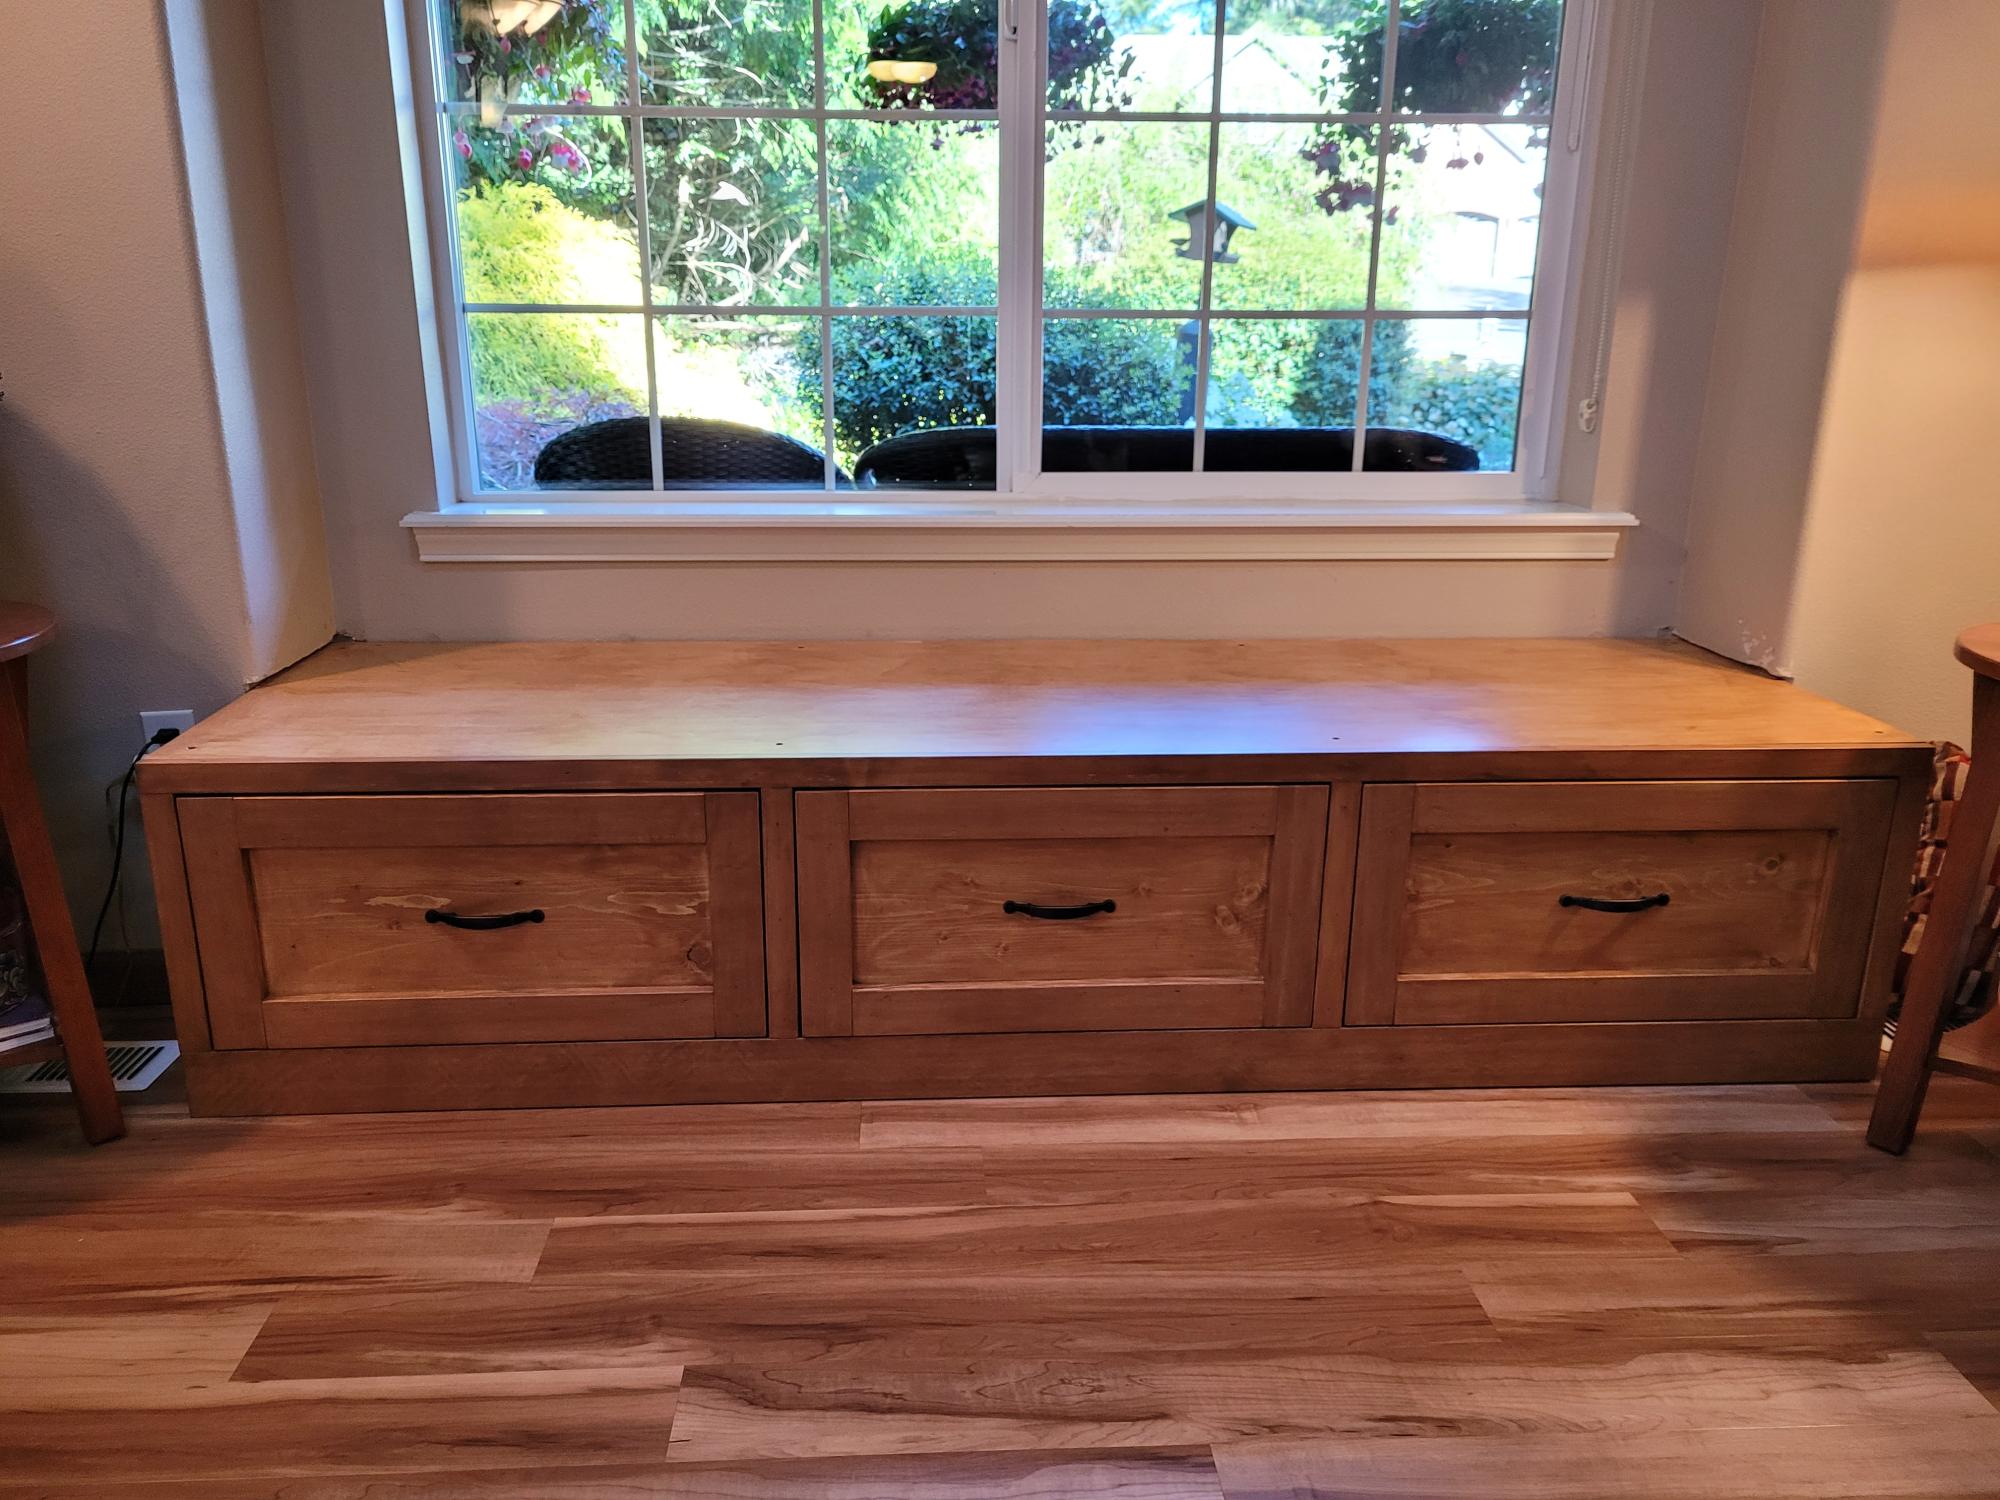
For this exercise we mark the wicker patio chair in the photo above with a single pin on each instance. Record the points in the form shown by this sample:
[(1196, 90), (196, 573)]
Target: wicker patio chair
[(963, 457), (695, 453)]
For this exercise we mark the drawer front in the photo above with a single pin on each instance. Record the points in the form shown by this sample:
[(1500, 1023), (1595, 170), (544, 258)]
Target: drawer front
[(1100, 909), (1615, 901), (394, 920)]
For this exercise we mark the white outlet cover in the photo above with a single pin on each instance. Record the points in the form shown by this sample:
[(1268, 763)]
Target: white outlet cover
[(153, 720)]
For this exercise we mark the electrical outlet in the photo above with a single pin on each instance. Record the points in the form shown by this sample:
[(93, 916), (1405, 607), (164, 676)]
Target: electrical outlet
[(152, 721)]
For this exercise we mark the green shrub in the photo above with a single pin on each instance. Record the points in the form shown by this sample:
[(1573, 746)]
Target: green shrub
[(1478, 404), (896, 375), (519, 243)]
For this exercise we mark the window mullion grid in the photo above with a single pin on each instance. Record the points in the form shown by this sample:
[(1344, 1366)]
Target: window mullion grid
[(635, 130), (830, 468), (1017, 353), (1204, 338), (468, 476), (1391, 24)]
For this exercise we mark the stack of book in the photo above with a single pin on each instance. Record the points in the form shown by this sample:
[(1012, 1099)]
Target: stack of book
[(24, 1014), (24, 1021)]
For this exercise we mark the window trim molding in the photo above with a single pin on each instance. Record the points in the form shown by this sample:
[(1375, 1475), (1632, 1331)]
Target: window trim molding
[(1048, 517), (792, 531)]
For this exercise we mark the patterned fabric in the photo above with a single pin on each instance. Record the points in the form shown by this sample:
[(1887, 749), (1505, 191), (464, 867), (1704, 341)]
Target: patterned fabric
[(1974, 994), (16, 979)]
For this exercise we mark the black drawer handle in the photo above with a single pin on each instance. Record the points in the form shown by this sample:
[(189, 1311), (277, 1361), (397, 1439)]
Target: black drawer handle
[(484, 924), (1058, 913), (1591, 903)]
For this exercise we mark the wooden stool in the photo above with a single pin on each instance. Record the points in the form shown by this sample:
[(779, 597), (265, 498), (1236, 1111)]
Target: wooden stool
[(1900, 1099), (24, 628)]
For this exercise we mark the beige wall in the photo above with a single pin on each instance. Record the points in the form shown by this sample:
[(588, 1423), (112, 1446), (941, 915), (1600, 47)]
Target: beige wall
[(119, 507), (1791, 244), (332, 66), (1850, 510), (1901, 547)]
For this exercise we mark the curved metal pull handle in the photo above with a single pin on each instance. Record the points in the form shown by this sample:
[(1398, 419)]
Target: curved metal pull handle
[(484, 924), (1591, 903), (1058, 913)]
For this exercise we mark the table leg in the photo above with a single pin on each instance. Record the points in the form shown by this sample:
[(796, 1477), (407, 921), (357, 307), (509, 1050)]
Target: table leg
[(1900, 1098), (49, 920)]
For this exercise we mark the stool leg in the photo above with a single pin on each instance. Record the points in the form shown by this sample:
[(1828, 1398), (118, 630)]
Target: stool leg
[(48, 919), (1907, 1074)]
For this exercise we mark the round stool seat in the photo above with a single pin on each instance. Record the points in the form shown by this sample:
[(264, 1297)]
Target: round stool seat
[(23, 627), (1979, 649)]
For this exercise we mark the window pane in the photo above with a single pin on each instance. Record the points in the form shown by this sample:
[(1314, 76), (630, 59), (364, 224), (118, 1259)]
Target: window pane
[(712, 54), (734, 211), (1477, 57), (1152, 55), (1462, 217), (545, 211), (1281, 394), (914, 212), (1290, 247), (1117, 394), (501, 52), (1109, 372), (1455, 378), (1304, 58), (739, 403), (917, 54), (1109, 236), (913, 400), (538, 376)]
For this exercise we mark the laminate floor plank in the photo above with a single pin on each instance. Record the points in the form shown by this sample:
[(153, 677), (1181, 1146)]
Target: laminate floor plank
[(256, 1255), (1452, 1164), (99, 1355), (1947, 1460), (826, 1410), (1130, 1475), (1975, 1353), (535, 1180), (811, 1316), (239, 1430), (1280, 1238), (1760, 1301), (1911, 1215), (1363, 1115)]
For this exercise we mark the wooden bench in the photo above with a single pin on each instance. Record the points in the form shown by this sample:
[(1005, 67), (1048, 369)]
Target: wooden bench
[(451, 876)]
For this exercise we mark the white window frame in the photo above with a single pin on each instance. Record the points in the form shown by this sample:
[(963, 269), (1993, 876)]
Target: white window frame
[(1032, 515)]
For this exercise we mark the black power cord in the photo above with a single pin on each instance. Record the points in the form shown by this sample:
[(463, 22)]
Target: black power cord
[(160, 737)]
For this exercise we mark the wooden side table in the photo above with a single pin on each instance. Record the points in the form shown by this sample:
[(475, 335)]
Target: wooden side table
[(23, 629), (1900, 1098)]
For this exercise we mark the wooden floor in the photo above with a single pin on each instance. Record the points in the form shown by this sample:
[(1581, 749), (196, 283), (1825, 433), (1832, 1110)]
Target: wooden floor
[(1568, 1295)]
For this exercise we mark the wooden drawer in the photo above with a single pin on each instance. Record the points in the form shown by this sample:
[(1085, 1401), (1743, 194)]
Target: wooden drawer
[(1615, 901), (330, 921), (1058, 910)]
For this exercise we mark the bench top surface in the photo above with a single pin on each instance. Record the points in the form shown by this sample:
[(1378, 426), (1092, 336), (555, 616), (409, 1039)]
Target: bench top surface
[(787, 701)]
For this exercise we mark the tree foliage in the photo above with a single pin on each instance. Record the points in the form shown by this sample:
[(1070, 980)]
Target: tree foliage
[(548, 214)]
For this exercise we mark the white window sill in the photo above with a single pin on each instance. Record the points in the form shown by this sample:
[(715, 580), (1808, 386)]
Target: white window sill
[(840, 531)]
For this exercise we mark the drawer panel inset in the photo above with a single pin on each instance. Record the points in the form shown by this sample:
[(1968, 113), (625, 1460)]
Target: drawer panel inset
[(406, 920), (1614, 901), (1060, 909)]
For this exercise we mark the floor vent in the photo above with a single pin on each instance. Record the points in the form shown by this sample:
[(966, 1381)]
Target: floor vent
[(134, 1066)]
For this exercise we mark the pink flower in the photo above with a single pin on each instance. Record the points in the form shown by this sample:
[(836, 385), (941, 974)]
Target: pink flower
[(525, 159), (506, 47), (579, 96), (464, 146), (541, 70)]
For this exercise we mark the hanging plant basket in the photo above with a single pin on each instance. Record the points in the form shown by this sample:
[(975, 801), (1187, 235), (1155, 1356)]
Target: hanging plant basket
[(945, 54), (1453, 57)]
